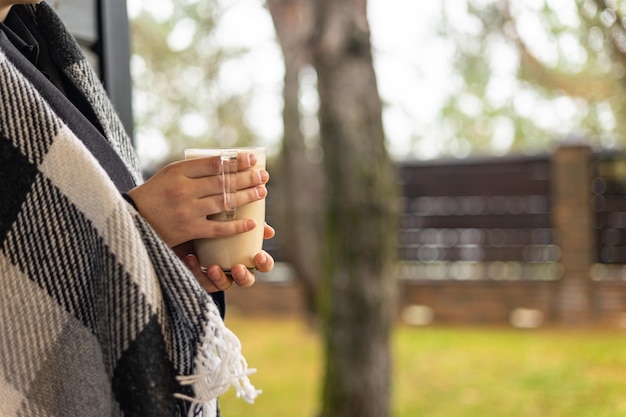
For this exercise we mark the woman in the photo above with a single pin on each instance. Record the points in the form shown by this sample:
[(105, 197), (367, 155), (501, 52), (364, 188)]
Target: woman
[(98, 315)]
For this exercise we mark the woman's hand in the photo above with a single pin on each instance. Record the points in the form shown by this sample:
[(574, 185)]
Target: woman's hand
[(214, 278), (177, 199)]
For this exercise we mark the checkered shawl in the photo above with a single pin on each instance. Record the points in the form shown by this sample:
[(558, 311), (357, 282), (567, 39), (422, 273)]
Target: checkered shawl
[(98, 317)]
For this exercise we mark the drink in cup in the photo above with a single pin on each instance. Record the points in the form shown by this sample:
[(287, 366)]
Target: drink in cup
[(240, 248)]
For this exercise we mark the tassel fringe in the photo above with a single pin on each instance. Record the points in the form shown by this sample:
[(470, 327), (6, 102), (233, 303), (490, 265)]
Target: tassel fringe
[(219, 365)]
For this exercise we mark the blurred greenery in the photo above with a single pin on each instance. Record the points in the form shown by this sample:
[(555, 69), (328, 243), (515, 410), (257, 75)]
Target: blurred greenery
[(178, 101), (526, 75), (532, 73), (447, 372)]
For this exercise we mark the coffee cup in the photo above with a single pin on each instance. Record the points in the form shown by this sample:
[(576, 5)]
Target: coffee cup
[(240, 248)]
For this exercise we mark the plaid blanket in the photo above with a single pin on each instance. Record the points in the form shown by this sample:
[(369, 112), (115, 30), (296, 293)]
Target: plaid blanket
[(98, 317)]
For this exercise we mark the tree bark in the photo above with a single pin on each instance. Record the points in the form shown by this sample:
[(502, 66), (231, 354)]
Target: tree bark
[(358, 294), (353, 280), (301, 181)]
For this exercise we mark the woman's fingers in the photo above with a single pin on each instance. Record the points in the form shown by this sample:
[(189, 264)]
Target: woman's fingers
[(213, 185), (229, 228), (250, 195), (209, 191), (213, 280), (178, 198), (239, 274), (263, 261), (212, 165), (242, 276), (215, 204), (204, 228), (268, 232)]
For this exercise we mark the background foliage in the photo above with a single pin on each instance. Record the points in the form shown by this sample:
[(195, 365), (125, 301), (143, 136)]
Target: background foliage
[(176, 67), (524, 75), (531, 73)]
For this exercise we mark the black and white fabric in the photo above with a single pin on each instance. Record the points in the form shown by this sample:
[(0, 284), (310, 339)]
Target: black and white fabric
[(98, 317)]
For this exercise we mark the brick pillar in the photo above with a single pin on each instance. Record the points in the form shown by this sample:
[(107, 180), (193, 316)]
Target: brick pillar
[(573, 224)]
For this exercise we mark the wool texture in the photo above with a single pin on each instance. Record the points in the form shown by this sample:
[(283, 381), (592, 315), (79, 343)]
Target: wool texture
[(98, 317)]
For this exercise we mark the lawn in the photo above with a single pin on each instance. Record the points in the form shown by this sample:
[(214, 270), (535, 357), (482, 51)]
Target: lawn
[(447, 372)]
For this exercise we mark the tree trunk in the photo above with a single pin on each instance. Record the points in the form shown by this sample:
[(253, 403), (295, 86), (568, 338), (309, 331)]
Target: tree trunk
[(300, 222), (361, 223), (357, 289)]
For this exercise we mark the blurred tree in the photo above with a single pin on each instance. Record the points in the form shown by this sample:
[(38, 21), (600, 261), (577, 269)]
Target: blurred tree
[(355, 286), (530, 73), (301, 178), (360, 252), (177, 99)]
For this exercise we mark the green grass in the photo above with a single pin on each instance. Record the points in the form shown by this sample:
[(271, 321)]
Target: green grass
[(447, 372)]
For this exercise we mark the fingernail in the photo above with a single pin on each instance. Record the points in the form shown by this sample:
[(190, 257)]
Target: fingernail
[(251, 159), (263, 258), (250, 224), (261, 191), (190, 261), (264, 176)]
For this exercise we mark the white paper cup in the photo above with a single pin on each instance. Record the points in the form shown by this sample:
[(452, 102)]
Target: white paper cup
[(240, 248)]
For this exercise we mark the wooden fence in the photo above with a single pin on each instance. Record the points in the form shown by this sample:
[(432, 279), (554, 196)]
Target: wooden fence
[(527, 241)]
